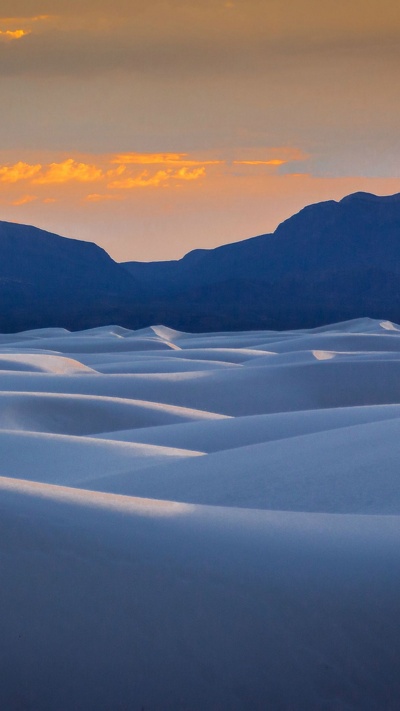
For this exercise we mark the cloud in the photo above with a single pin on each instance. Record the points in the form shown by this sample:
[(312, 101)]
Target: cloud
[(62, 173), (24, 26), (24, 200), (143, 180), (13, 34), (186, 174), (272, 161), (160, 159), (18, 171), (38, 174), (116, 172), (189, 169), (67, 171), (185, 75), (162, 177), (123, 176), (274, 157)]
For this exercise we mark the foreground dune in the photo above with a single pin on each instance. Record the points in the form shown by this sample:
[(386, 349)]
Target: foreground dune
[(200, 521)]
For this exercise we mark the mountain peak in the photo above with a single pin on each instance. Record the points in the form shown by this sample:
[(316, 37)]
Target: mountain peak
[(370, 197)]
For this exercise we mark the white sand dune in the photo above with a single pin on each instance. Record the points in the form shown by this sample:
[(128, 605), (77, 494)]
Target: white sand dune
[(345, 470), (232, 432), (200, 521), (339, 342), (41, 363), (68, 460), (158, 365), (239, 391), (86, 414)]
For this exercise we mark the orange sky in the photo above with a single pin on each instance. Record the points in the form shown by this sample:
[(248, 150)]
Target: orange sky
[(155, 128)]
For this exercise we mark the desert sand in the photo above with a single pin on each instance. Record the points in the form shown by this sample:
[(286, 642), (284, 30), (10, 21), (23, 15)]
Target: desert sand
[(200, 521)]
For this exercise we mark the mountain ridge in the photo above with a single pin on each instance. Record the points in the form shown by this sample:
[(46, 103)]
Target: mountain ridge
[(331, 261), (49, 280)]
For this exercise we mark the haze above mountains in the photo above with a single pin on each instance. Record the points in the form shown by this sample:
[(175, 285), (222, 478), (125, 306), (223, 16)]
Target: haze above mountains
[(330, 262)]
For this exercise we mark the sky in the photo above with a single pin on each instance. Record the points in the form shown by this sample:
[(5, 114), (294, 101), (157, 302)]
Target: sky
[(156, 127)]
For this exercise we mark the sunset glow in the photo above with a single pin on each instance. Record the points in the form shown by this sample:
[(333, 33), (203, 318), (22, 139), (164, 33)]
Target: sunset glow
[(157, 128)]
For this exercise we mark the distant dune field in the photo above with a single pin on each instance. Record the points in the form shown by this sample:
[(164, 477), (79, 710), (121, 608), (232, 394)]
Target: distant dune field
[(200, 522)]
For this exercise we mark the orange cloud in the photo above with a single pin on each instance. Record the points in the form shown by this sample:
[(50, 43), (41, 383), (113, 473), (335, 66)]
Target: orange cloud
[(24, 200), (161, 177), (148, 158), (169, 168), (69, 170), (186, 174), (18, 171), (107, 175), (144, 180), (14, 34), (160, 159), (116, 172), (273, 156), (273, 161)]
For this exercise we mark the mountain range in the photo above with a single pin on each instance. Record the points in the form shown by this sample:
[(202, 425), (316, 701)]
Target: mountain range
[(330, 262)]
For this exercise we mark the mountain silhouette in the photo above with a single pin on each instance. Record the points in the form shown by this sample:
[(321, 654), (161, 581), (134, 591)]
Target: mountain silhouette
[(330, 262), (48, 280)]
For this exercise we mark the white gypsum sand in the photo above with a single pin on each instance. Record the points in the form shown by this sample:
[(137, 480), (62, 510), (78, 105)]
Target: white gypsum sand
[(200, 521)]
